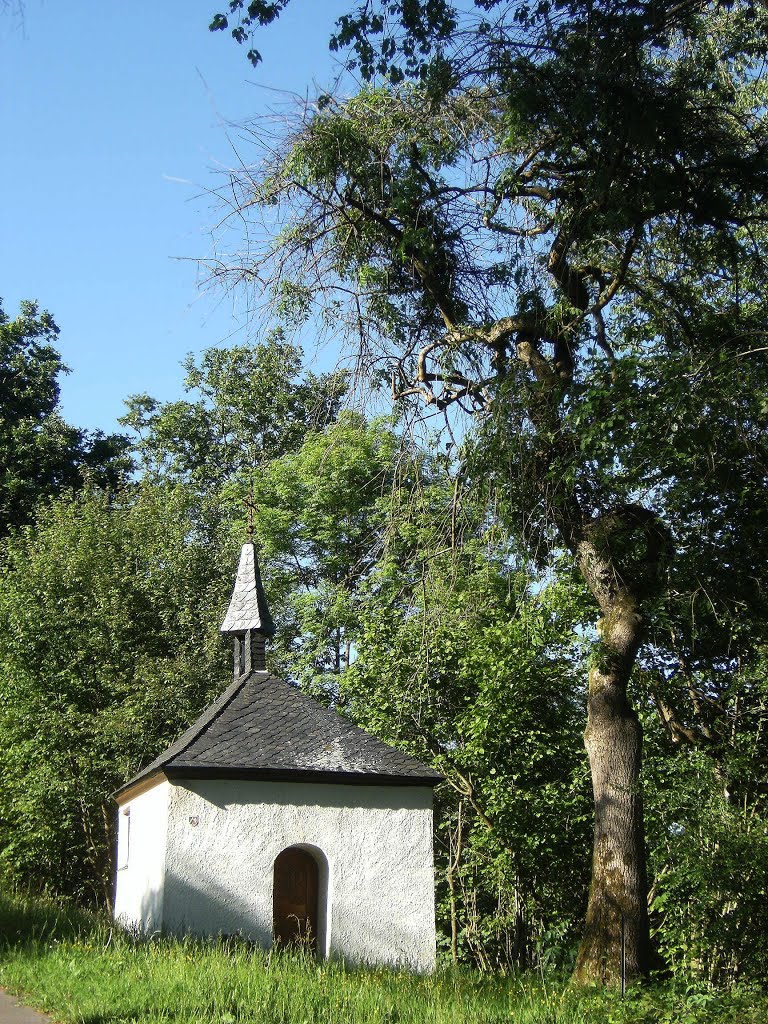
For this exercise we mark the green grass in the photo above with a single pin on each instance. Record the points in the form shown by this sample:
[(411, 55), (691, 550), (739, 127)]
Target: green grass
[(82, 970)]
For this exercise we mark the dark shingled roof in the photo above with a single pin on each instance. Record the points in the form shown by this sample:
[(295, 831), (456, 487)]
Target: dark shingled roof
[(262, 727)]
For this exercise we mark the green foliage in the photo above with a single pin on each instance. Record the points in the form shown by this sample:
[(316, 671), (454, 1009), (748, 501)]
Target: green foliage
[(108, 648), (41, 455), (260, 432), (258, 12), (320, 513), (468, 664), (709, 848), (251, 404)]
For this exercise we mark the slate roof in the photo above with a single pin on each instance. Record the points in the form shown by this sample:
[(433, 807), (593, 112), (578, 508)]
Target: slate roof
[(248, 606), (262, 727)]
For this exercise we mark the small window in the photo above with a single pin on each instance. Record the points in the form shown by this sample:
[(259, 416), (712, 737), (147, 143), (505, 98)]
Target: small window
[(123, 837)]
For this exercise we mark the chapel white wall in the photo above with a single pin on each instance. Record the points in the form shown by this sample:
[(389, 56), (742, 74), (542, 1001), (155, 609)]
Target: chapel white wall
[(142, 832), (375, 856)]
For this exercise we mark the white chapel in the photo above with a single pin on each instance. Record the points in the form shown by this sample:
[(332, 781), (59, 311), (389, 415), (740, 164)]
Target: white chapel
[(274, 818)]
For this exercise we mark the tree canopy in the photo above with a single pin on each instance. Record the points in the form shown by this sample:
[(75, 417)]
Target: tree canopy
[(40, 454), (249, 404), (109, 647)]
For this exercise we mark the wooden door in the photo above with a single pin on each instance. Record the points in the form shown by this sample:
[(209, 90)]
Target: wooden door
[(294, 899)]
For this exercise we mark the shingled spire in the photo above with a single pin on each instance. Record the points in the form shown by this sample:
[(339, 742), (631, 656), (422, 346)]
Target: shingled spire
[(248, 619)]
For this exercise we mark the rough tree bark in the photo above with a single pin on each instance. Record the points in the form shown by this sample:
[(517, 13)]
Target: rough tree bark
[(613, 739), (621, 557)]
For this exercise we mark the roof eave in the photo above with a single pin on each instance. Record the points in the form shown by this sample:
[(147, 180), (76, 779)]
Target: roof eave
[(350, 778), (138, 785)]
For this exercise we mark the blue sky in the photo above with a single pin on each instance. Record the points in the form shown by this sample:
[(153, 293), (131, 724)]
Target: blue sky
[(114, 124)]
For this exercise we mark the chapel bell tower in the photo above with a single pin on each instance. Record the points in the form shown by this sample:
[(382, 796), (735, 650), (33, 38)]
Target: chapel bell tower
[(248, 619)]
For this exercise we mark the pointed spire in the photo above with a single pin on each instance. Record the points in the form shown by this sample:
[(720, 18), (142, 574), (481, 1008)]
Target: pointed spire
[(248, 619)]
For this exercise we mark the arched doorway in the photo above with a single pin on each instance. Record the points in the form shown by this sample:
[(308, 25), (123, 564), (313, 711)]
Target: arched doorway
[(294, 898)]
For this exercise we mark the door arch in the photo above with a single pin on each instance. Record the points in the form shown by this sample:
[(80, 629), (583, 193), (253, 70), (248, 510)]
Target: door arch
[(295, 898)]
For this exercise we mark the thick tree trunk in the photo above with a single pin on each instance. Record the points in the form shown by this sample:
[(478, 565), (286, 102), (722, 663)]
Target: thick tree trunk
[(613, 738)]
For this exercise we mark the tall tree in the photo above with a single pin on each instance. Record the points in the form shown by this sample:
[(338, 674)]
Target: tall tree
[(40, 454), (558, 223)]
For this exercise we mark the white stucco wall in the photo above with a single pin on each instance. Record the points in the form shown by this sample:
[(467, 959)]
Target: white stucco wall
[(373, 845), (140, 876)]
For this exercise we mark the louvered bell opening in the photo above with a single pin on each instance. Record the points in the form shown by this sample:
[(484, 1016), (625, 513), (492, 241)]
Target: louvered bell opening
[(239, 656), (250, 653), (258, 645)]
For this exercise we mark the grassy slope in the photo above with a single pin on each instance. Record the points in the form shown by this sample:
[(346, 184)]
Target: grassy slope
[(81, 970)]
